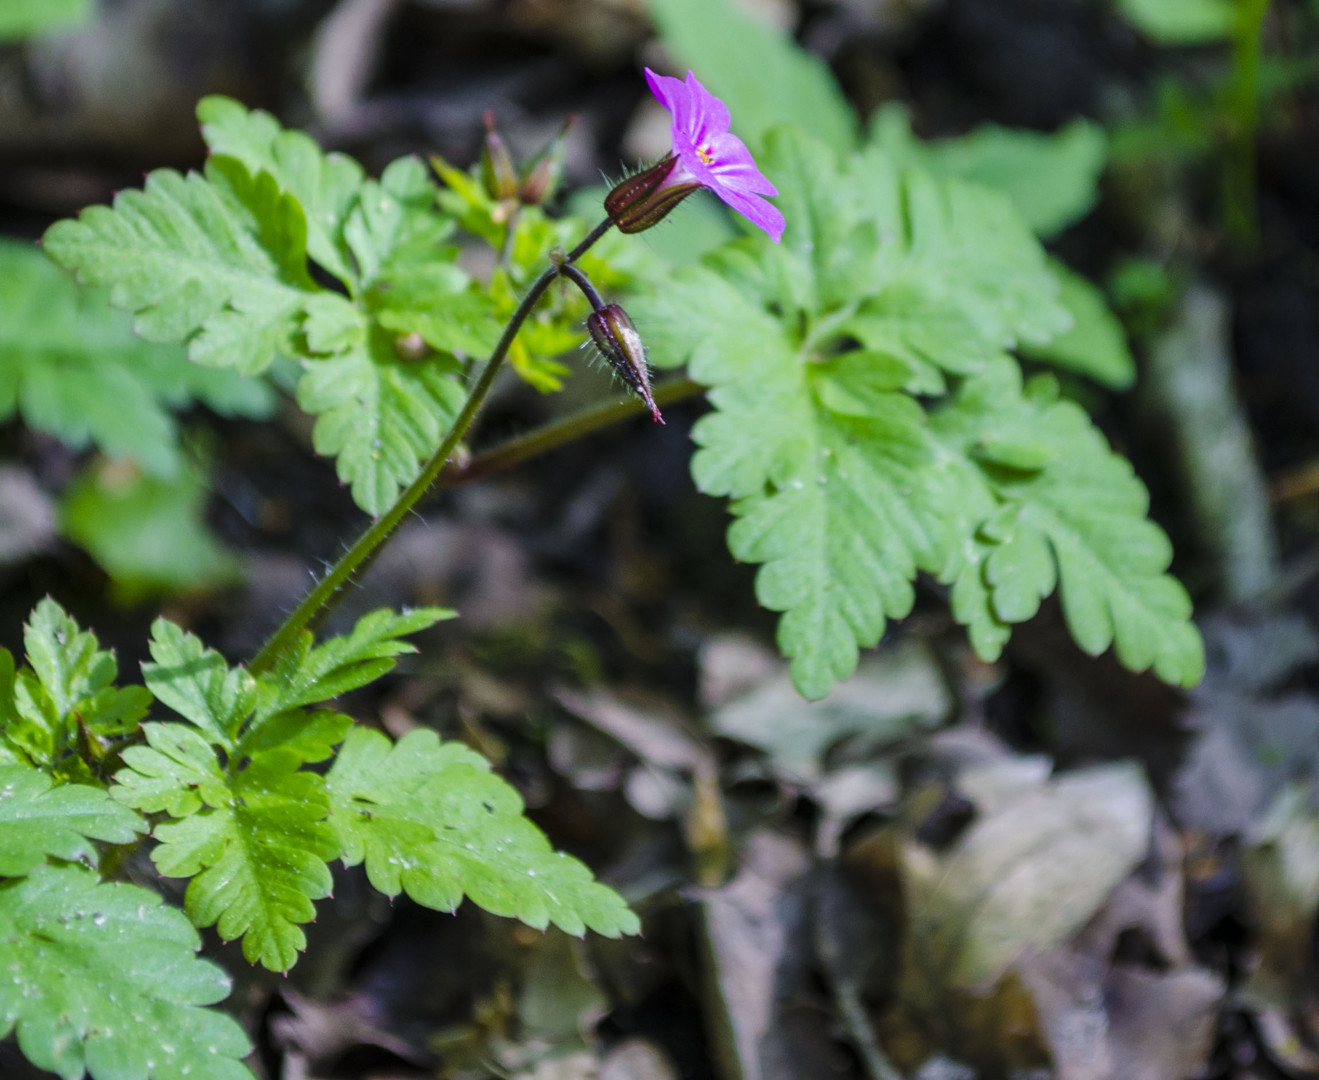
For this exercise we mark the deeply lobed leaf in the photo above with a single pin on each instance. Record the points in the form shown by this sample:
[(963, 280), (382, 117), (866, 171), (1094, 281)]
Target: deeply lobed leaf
[(887, 288), (256, 853), (196, 683), (1060, 508), (308, 675), (250, 827), (326, 186), (429, 819)]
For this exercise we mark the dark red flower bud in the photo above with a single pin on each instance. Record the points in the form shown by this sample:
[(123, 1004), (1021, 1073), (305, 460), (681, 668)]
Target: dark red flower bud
[(620, 344), (501, 179), (645, 199), (540, 179)]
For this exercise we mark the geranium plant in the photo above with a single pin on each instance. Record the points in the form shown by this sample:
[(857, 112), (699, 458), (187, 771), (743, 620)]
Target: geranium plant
[(867, 420)]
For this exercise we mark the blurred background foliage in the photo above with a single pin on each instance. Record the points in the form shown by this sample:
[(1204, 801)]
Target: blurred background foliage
[(947, 869)]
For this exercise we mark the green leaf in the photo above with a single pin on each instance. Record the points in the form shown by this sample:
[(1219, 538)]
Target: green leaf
[(251, 830), (827, 461), (197, 684), (379, 415), (73, 368), (394, 227), (1052, 179), (763, 76), (1096, 345), (65, 695), (218, 261), (177, 772), (1079, 520), (1181, 22), (307, 675), (149, 534), (67, 660), (448, 320), (326, 186), (429, 819), (39, 819), (258, 860), (105, 979), (311, 736), (30, 18)]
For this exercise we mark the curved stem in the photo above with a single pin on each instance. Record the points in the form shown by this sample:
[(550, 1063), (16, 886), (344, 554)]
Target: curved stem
[(584, 283), (328, 588)]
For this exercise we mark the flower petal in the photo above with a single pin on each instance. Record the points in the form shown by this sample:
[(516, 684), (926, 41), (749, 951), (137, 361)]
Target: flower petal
[(674, 95), (756, 210), (709, 155), (711, 117), (733, 165)]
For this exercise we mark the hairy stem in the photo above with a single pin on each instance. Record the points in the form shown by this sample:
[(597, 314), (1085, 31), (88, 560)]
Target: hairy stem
[(330, 587)]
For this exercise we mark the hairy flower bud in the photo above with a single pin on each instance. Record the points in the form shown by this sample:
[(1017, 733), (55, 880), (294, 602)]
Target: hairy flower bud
[(540, 178), (620, 344), (645, 199), (501, 179)]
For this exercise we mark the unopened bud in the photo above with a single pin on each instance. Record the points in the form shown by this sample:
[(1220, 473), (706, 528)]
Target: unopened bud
[(541, 178), (501, 179), (644, 200), (620, 344)]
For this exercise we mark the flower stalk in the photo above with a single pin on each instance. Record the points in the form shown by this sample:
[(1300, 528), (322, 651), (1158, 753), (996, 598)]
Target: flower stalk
[(705, 154), (318, 602)]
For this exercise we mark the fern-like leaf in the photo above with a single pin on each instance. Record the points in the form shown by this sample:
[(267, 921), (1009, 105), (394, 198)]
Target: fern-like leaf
[(218, 261), (377, 415), (308, 674), (196, 683), (103, 979), (255, 844), (248, 825), (1063, 510), (429, 819), (326, 186)]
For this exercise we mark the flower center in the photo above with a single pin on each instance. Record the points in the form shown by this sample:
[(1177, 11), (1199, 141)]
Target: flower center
[(706, 157)]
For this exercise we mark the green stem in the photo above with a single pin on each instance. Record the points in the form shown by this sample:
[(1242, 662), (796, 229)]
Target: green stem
[(559, 433), (328, 589)]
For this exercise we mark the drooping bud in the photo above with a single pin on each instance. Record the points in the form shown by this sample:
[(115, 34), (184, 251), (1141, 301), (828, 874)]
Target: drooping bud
[(620, 344), (540, 179), (501, 179), (644, 200)]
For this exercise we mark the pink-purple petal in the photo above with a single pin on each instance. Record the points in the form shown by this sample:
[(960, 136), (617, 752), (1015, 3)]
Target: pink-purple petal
[(673, 95), (756, 210), (711, 114), (709, 155), (733, 164)]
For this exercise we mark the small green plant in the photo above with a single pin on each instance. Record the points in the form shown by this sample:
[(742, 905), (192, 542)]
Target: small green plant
[(868, 423)]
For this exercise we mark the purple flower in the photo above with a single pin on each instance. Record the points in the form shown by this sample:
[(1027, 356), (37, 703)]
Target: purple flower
[(709, 155)]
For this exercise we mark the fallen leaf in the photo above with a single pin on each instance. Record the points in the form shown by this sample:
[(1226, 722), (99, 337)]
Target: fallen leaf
[(892, 694), (1028, 876)]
